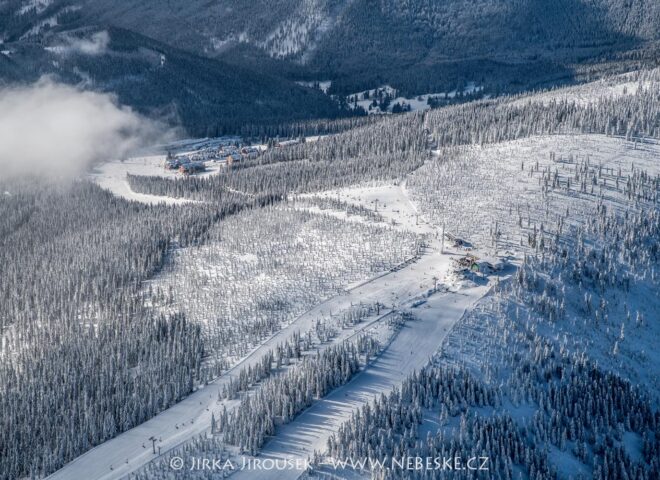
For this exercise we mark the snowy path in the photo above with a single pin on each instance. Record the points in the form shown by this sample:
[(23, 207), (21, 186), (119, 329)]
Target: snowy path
[(410, 350)]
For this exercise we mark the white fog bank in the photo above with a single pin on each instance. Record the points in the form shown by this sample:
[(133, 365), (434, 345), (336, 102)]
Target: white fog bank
[(54, 129)]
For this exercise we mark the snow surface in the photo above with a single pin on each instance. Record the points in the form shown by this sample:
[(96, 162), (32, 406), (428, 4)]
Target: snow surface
[(389, 200), (237, 280), (496, 187), (112, 176), (589, 92), (479, 186), (409, 351)]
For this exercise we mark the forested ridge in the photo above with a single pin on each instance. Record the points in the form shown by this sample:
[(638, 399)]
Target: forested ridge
[(417, 46), (204, 96), (230, 67), (393, 147)]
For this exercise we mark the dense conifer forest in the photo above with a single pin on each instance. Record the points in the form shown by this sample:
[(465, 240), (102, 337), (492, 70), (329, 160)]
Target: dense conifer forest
[(81, 358)]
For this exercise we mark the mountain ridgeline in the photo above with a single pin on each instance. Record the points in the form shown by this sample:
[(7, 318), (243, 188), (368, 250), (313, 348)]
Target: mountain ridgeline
[(224, 66), (363, 43)]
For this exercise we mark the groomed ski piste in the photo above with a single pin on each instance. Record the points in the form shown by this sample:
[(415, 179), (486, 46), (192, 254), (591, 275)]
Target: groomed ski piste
[(477, 210), (408, 350)]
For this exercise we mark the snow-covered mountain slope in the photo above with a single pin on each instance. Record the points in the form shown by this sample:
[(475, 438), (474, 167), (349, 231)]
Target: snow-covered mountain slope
[(408, 352), (543, 316), (592, 92), (287, 27), (525, 195), (207, 97), (417, 46), (496, 194), (570, 327), (553, 206), (402, 286), (559, 361)]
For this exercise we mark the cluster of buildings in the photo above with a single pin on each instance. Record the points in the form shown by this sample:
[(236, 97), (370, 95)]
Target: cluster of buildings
[(231, 155), (195, 162), (227, 153)]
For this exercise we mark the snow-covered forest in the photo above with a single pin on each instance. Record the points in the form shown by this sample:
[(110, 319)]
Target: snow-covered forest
[(534, 378), (478, 280), (80, 353), (262, 268)]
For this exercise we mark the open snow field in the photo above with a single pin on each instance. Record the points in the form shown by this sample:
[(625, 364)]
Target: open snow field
[(112, 176), (589, 92), (262, 268), (507, 187), (388, 200)]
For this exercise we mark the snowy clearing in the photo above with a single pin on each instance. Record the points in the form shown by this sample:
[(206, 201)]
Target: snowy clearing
[(262, 268), (366, 99), (476, 190), (112, 176), (590, 92)]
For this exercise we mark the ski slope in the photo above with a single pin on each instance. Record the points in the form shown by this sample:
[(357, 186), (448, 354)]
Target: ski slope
[(397, 289), (410, 350)]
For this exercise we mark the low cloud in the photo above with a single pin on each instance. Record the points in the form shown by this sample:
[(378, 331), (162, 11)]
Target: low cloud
[(54, 129), (97, 44)]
